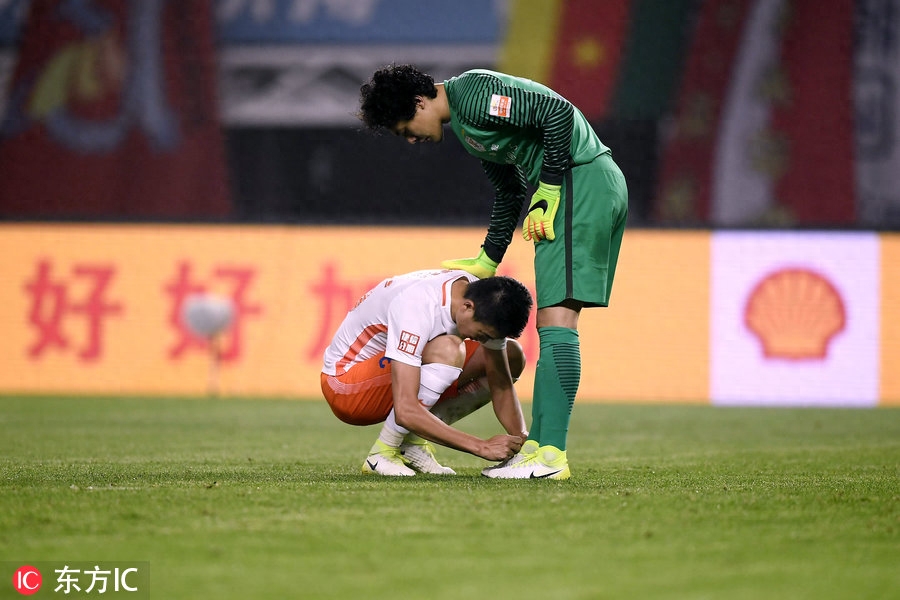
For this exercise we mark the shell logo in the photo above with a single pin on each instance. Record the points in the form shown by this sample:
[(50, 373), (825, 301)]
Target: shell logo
[(795, 313)]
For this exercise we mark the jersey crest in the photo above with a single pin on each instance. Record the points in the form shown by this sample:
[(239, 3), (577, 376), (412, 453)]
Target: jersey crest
[(408, 343), (500, 106)]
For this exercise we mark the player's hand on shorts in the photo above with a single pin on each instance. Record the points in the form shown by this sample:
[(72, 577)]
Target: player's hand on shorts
[(538, 223), (501, 447), (481, 266)]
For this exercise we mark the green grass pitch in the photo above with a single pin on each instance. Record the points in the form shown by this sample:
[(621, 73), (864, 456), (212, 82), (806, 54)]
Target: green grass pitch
[(233, 498)]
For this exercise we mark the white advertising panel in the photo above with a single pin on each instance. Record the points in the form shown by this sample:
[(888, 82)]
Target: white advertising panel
[(794, 319)]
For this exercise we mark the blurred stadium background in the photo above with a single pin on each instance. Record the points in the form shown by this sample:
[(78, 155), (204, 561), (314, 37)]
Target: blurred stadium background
[(758, 137), (721, 112)]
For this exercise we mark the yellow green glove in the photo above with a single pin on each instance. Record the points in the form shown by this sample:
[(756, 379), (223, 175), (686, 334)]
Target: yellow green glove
[(538, 223), (481, 266)]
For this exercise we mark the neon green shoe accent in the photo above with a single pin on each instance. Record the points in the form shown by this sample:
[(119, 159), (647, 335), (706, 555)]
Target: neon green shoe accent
[(529, 447), (385, 460), (553, 458)]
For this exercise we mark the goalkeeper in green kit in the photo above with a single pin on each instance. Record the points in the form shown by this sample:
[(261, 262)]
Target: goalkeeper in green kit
[(525, 134)]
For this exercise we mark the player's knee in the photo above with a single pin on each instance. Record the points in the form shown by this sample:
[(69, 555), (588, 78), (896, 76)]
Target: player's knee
[(445, 349), (516, 355)]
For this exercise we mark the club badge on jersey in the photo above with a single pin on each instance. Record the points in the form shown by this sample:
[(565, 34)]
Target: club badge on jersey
[(408, 343), (500, 106)]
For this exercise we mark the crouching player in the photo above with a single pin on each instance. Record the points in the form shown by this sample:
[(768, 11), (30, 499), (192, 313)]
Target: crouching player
[(419, 352)]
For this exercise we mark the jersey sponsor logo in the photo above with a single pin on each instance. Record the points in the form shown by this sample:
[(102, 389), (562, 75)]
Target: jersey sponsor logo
[(475, 144), (408, 343), (500, 106)]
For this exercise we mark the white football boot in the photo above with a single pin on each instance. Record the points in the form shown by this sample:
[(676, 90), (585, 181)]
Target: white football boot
[(385, 460), (525, 452), (419, 454), (548, 462)]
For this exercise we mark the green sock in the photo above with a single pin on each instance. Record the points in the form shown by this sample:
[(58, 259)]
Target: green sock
[(534, 432), (556, 379)]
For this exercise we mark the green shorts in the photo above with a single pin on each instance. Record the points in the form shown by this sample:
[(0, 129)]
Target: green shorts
[(580, 263)]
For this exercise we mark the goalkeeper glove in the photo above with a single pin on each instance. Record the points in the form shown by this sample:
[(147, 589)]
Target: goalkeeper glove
[(481, 266), (538, 223)]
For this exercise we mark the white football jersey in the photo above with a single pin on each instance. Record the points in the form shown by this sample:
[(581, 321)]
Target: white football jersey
[(398, 316)]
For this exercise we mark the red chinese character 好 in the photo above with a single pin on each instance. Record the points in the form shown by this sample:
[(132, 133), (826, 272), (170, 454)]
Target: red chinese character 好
[(55, 304), (238, 281)]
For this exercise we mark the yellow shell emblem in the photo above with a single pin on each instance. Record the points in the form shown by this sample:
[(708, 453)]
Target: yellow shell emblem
[(795, 313)]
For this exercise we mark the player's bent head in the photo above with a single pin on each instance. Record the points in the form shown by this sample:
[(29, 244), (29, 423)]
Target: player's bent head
[(501, 302), (390, 96)]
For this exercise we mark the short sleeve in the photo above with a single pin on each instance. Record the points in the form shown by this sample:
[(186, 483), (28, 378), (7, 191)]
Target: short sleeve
[(408, 330)]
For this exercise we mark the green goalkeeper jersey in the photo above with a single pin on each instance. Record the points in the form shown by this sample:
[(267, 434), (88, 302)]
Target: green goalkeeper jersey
[(522, 131)]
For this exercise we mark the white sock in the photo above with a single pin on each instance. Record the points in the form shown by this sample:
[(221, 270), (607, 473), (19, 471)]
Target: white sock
[(434, 379), (392, 434)]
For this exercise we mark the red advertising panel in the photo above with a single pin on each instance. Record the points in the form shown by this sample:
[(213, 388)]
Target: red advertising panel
[(102, 309), (729, 317)]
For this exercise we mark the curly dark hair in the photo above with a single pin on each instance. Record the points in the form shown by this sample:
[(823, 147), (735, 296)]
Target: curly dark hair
[(501, 302), (390, 96)]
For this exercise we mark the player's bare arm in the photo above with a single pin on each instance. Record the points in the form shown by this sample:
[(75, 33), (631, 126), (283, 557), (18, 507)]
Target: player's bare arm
[(413, 416), (503, 395)]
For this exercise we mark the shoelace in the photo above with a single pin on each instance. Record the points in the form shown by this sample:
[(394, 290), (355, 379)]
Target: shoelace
[(427, 446), (391, 454), (522, 459), (429, 450)]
